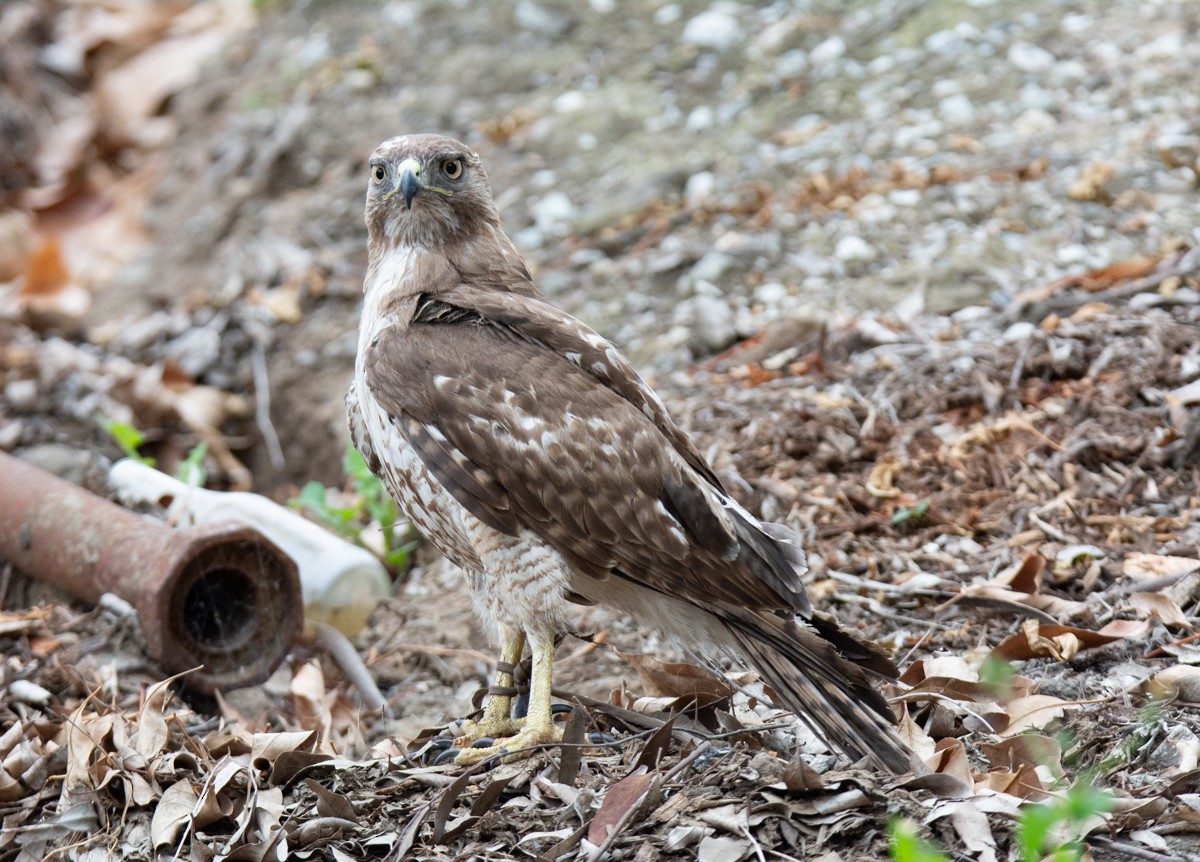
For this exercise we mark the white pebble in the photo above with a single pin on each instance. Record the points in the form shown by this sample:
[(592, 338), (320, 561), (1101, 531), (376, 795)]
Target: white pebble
[(553, 211), (668, 14), (854, 248), (956, 110), (827, 51), (700, 118), (570, 101), (1020, 331), (714, 28), (699, 189), (1030, 58), (1166, 46), (24, 691)]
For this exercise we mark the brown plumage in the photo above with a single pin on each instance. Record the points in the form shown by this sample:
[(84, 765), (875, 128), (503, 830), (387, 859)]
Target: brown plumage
[(528, 450)]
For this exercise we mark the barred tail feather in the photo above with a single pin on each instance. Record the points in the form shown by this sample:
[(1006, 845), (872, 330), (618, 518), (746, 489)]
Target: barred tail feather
[(830, 693)]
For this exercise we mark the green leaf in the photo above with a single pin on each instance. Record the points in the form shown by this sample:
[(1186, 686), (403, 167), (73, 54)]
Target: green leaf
[(1033, 830), (191, 469), (905, 845), (126, 437), (916, 514)]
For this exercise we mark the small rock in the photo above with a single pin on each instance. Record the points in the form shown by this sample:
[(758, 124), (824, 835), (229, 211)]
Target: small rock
[(699, 189), (1168, 45), (552, 213), (714, 28), (21, 395), (700, 118), (957, 110), (1035, 122), (1020, 331), (712, 266), (770, 293), (712, 323), (668, 14), (828, 51), (538, 19), (1030, 58), (1033, 97), (570, 101), (25, 691), (905, 197), (853, 248)]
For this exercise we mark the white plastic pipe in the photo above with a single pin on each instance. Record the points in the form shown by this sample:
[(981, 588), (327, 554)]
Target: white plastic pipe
[(342, 583)]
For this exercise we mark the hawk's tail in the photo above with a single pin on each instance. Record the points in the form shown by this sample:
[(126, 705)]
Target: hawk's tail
[(824, 675)]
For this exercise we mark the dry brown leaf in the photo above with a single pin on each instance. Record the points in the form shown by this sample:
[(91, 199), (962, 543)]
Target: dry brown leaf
[(620, 799), (678, 679), (1024, 783), (1041, 640), (1029, 750), (1162, 606), (950, 758), (1181, 682), (915, 737), (1033, 712), (49, 296), (173, 813), (1141, 566), (266, 747), (131, 95), (971, 824), (152, 726), (309, 698), (723, 848), (1090, 186)]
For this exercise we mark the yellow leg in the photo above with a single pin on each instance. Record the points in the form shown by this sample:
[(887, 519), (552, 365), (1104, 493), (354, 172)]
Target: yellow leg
[(497, 717), (538, 727)]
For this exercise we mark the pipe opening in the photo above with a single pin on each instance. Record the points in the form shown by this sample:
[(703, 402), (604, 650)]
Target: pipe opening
[(219, 609)]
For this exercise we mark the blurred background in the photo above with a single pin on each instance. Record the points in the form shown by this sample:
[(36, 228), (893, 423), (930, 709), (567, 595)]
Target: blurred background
[(181, 184)]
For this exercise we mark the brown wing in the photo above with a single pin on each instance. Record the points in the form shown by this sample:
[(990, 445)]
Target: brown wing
[(523, 435)]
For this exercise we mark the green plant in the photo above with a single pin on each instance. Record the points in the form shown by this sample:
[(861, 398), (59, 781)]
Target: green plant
[(1054, 829), (127, 437), (914, 516), (370, 504), (191, 469), (905, 845)]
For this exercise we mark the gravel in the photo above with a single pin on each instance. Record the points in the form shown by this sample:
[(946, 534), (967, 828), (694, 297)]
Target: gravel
[(678, 175)]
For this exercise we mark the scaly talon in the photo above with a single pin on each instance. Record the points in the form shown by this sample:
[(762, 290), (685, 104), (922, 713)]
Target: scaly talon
[(538, 727), (513, 746)]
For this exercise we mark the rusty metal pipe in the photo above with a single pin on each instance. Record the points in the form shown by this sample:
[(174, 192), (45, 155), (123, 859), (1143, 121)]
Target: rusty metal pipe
[(217, 595)]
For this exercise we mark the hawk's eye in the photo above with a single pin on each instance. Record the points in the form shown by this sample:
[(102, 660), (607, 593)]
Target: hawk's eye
[(378, 173), (452, 168)]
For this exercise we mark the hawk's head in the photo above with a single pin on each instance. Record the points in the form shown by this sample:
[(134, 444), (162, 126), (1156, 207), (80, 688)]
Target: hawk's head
[(426, 190)]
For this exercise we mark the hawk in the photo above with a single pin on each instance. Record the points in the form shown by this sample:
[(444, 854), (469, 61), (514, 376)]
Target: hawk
[(526, 448)]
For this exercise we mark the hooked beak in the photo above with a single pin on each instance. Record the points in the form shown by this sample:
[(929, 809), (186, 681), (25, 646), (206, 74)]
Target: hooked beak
[(409, 184)]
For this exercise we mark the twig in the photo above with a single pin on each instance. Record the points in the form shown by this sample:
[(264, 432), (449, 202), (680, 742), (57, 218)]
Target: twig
[(262, 405), (449, 652), (1139, 852), (343, 653)]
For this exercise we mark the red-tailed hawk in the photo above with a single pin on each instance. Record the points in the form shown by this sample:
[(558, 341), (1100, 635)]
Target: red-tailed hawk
[(528, 451)]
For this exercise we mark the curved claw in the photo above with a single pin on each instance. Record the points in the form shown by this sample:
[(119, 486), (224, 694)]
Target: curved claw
[(440, 743), (560, 708), (447, 756), (599, 737), (484, 742)]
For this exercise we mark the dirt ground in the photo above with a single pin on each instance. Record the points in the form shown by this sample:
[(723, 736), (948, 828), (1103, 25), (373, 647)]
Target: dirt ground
[(952, 340)]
